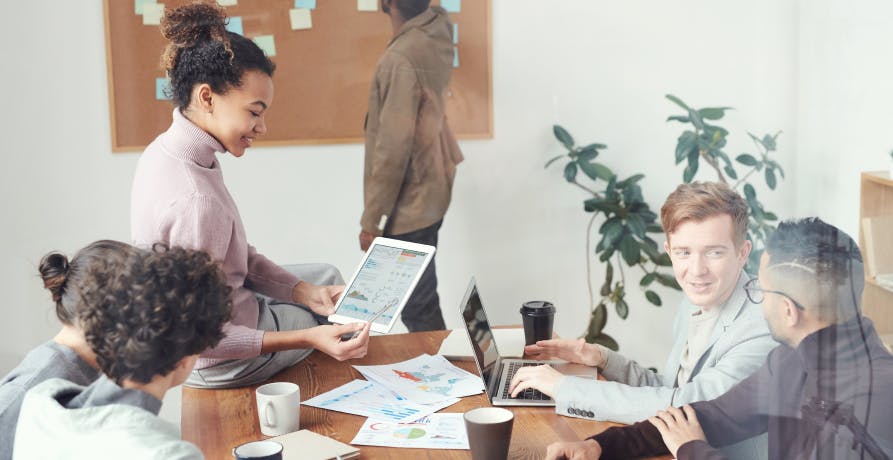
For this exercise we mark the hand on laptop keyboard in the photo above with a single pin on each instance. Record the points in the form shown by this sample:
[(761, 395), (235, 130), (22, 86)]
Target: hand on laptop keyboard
[(539, 378)]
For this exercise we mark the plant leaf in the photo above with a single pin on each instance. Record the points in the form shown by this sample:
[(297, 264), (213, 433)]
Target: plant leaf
[(749, 192), (730, 171), (690, 172), (769, 142), (553, 160), (653, 297), (636, 225), (713, 113), (629, 249), (686, 143), (667, 281), (622, 308), (648, 279), (696, 119), (677, 101), (679, 118), (746, 159), (599, 319), (770, 178), (570, 172), (563, 136), (604, 340)]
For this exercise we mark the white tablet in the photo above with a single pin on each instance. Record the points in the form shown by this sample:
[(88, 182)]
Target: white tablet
[(386, 278)]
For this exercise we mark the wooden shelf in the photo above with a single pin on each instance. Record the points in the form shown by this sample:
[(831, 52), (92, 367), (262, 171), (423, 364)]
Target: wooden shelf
[(876, 201)]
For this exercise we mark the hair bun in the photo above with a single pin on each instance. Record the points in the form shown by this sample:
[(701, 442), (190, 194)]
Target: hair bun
[(190, 24), (54, 272)]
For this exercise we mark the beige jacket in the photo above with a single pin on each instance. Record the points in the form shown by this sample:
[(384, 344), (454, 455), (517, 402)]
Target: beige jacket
[(411, 154)]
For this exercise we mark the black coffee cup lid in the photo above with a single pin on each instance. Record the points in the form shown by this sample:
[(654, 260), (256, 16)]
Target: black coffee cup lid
[(537, 308)]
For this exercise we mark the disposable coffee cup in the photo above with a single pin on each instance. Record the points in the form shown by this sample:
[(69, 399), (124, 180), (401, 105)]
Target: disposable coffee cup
[(538, 317), (258, 450), (278, 408), (489, 432)]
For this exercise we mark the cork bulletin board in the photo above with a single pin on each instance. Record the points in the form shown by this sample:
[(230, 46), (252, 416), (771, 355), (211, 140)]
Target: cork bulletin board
[(325, 58)]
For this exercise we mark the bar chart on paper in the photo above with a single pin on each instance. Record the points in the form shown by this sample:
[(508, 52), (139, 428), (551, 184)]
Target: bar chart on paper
[(361, 397)]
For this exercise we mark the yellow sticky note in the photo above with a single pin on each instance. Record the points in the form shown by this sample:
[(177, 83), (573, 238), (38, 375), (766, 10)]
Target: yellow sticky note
[(367, 5), (152, 13), (266, 43), (300, 18), (227, 2)]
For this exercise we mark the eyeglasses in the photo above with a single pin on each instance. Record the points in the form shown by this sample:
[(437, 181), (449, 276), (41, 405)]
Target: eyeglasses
[(755, 293)]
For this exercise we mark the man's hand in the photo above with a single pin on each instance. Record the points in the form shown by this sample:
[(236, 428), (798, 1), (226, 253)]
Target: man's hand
[(542, 378), (327, 339), (320, 299), (677, 427), (575, 351), (580, 450), (366, 240)]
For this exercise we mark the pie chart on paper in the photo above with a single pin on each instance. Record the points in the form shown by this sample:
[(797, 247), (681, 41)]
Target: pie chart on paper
[(409, 433)]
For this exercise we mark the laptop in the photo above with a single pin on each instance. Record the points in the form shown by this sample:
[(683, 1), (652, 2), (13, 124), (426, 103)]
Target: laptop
[(497, 372)]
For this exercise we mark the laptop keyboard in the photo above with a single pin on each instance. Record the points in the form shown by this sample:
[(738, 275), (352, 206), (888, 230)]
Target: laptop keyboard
[(529, 394)]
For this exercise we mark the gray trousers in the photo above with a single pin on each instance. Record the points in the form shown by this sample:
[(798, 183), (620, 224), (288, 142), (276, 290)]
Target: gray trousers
[(272, 316)]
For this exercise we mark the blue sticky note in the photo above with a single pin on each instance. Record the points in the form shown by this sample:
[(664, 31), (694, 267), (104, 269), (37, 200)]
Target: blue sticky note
[(309, 4), (138, 5), (453, 6), (162, 89), (266, 43), (455, 33), (235, 25), (455, 57)]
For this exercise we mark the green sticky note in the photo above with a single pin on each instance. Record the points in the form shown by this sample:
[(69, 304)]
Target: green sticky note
[(455, 57), (455, 33), (235, 25), (138, 5), (162, 89), (453, 6), (266, 43)]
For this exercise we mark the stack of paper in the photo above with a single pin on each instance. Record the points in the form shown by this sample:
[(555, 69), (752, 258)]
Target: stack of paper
[(400, 400)]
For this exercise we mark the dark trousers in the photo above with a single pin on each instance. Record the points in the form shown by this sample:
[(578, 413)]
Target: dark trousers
[(422, 311)]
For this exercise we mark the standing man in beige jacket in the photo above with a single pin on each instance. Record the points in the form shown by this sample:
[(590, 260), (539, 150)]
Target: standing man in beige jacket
[(411, 154)]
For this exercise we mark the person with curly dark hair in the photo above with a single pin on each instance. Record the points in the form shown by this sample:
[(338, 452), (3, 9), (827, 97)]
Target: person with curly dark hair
[(67, 355), (146, 318), (222, 86)]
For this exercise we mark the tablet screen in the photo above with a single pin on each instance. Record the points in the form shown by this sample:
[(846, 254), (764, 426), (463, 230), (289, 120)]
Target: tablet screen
[(384, 279)]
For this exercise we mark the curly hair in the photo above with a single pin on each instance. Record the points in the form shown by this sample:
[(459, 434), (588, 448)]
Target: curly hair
[(143, 316), (201, 50), (62, 276)]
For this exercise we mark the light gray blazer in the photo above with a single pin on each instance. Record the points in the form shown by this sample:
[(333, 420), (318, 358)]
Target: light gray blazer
[(738, 346)]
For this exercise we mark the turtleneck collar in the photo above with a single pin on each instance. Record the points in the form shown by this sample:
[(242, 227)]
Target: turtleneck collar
[(186, 141)]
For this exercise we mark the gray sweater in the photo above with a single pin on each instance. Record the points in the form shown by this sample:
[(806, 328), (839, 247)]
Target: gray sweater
[(99, 421), (49, 360)]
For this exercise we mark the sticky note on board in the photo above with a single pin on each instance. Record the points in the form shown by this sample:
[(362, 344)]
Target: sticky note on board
[(453, 6), (235, 25), (152, 13), (266, 43), (455, 33), (309, 4), (367, 5), (162, 89), (138, 5), (455, 57), (227, 2), (300, 19)]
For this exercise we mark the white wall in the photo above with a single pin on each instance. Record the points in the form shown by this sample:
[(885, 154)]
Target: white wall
[(600, 68)]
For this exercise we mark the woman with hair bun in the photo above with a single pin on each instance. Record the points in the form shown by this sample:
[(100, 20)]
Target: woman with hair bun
[(222, 86), (67, 355)]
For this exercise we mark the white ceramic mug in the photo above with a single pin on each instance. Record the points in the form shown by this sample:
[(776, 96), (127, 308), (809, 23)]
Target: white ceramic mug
[(278, 408)]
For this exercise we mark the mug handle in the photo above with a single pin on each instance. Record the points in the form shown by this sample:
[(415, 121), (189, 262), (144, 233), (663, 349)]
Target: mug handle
[(269, 414)]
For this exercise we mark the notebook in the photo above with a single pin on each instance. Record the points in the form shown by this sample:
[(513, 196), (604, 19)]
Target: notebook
[(307, 445), (496, 371)]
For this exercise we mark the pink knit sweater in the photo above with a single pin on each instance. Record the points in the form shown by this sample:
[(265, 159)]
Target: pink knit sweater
[(179, 198)]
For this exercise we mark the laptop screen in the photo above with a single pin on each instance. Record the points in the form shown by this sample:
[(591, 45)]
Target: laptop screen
[(479, 332)]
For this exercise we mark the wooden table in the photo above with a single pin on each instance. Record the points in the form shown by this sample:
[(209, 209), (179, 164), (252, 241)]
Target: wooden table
[(218, 420)]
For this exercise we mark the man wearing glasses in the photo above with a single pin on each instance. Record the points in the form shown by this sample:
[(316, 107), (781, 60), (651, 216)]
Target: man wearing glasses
[(719, 336), (826, 393)]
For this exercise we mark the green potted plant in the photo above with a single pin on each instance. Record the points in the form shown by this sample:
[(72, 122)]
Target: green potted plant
[(626, 220)]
